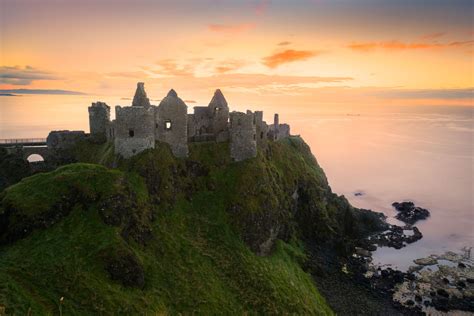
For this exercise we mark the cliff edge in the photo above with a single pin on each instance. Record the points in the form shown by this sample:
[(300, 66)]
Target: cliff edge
[(159, 234)]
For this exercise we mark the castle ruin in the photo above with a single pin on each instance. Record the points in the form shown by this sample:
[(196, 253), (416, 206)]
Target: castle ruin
[(137, 127)]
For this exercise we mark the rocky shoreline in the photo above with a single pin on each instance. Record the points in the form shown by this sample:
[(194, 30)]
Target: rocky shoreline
[(435, 284)]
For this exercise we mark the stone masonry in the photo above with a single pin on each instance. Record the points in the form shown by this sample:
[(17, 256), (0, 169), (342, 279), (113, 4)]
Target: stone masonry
[(139, 126)]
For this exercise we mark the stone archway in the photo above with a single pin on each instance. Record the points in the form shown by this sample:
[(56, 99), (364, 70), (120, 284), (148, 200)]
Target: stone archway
[(35, 158), (34, 152)]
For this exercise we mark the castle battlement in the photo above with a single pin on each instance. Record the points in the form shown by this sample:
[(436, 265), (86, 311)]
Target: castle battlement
[(139, 126)]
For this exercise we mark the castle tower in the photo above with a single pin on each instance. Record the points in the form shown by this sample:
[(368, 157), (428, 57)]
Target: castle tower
[(99, 118), (243, 144), (140, 98), (133, 128), (171, 123)]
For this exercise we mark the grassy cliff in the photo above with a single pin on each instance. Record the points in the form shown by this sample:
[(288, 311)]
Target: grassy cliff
[(158, 234)]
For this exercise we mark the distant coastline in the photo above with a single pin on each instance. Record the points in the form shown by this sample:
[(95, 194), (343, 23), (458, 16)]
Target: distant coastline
[(16, 92)]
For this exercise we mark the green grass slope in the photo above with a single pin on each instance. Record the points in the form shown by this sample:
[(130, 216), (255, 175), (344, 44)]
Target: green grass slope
[(164, 235)]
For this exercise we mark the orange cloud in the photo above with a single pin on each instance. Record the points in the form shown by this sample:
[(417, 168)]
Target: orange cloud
[(228, 66), (231, 29), (397, 45), (288, 56)]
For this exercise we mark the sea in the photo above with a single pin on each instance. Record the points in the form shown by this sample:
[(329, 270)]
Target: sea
[(386, 153)]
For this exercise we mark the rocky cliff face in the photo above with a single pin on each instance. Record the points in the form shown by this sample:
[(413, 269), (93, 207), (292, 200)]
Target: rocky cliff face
[(161, 234)]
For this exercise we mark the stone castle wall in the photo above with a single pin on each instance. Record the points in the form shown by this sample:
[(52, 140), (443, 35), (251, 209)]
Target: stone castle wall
[(99, 116), (243, 144), (134, 130)]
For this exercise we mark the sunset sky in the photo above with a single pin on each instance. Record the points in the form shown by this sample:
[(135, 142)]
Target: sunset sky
[(298, 53)]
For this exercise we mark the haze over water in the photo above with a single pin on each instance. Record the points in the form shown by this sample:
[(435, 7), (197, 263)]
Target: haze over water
[(389, 153)]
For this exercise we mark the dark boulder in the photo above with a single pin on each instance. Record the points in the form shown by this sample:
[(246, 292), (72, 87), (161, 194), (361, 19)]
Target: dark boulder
[(409, 213)]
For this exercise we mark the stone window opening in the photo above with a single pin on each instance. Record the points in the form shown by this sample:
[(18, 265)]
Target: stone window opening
[(239, 122), (131, 132), (156, 125), (217, 109), (167, 125), (254, 137), (261, 135)]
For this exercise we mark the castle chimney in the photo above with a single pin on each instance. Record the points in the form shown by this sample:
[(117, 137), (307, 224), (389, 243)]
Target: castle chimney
[(140, 98), (276, 120)]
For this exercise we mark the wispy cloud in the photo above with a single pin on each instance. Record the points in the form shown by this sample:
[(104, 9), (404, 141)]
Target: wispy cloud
[(231, 29), (41, 91), (127, 74), (247, 81), (17, 75), (288, 56), (445, 94), (170, 67), (431, 36), (284, 43), (398, 45)]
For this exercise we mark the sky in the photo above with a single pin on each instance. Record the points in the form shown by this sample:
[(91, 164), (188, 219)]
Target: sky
[(297, 53)]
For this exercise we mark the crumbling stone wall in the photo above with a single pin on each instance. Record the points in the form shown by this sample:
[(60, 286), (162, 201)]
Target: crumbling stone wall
[(110, 131), (99, 117), (261, 130), (58, 140), (171, 123), (134, 130), (283, 131), (278, 131), (243, 144), (199, 124)]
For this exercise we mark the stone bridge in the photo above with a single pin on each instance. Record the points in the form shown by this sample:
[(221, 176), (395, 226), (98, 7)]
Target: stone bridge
[(27, 147)]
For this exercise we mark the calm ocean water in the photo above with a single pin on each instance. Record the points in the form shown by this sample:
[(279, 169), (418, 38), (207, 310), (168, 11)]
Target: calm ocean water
[(422, 154)]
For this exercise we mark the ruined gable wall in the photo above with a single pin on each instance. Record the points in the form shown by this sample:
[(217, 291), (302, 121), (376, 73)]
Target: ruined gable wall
[(133, 130), (174, 111), (218, 110), (243, 144)]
